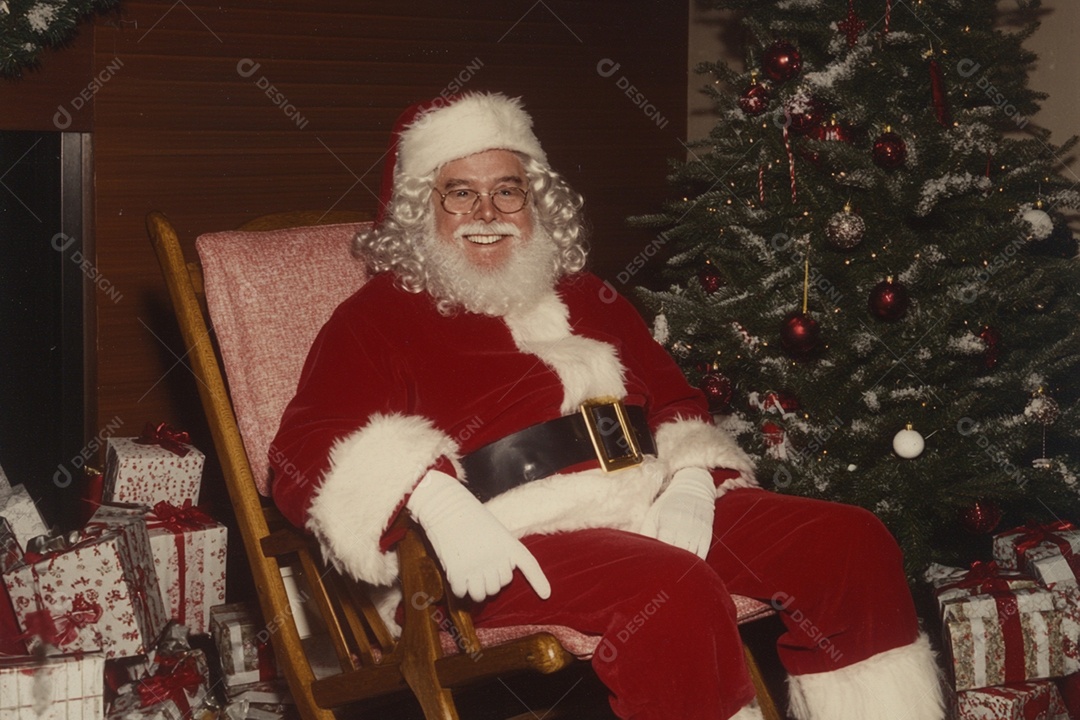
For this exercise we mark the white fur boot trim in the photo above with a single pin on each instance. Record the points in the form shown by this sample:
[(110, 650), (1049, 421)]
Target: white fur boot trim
[(749, 712), (899, 684)]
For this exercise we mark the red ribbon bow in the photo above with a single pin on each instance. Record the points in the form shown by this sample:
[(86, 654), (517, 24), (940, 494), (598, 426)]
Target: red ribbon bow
[(1034, 534), (178, 519), (986, 576), (164, 436), (178, 679)]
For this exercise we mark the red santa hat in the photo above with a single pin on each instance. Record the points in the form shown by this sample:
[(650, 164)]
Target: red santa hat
[(430, 134)]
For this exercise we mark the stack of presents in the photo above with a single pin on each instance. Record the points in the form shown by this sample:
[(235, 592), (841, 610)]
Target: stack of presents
[(1011, 626), (126, 617)]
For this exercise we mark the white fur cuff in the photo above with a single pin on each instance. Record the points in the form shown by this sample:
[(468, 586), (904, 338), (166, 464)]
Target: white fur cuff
[(696, 443), (899, 684), (371, 471)]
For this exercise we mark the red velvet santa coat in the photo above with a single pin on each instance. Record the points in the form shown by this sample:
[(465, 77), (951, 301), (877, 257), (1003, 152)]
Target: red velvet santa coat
[(392, 388)]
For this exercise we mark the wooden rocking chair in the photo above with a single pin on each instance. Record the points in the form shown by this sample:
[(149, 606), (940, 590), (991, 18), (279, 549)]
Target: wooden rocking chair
[(436, 653)]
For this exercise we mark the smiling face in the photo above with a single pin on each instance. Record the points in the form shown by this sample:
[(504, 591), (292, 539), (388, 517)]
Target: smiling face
[(486, 237)]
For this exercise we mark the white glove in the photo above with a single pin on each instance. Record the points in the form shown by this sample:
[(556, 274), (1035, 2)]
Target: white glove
[(683, 514), (477, 552)]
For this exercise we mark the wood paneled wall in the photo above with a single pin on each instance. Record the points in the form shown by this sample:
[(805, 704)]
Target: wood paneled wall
[(214, 113)]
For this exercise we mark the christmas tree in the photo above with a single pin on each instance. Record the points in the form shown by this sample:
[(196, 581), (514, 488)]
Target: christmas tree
[(871, 273)]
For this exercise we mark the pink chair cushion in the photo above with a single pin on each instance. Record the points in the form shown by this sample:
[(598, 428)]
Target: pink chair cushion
[(578, 644), (268, 294)]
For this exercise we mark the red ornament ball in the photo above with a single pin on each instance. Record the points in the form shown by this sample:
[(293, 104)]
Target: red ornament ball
[(754, 100), (781, 61), (800, 335), (992, 338), (806, 116), (981, 518), (890, 150), (718, 390), (710, 278), (889, 300)]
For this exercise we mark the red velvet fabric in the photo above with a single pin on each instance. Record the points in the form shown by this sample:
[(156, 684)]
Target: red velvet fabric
[(386, 351), (669, 645)]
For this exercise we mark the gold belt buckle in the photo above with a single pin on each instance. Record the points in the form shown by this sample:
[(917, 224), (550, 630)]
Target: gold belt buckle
[(600, 428)]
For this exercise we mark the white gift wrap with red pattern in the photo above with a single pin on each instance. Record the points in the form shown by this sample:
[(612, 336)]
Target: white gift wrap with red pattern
[(60, 687), (101, 594), (1054, 568), (1005, 637), (1022, 701), (22, 514), (1008, 556), (191, 570), (149, 474)]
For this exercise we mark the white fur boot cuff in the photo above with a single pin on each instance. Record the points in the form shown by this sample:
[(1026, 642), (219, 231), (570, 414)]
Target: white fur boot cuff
[(899, 684), (749, 712)]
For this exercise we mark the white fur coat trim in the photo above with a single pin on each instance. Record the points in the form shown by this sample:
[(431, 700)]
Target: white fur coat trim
[(899, 684), (587, 368), (749, 712), (371, 471), (695, 443)]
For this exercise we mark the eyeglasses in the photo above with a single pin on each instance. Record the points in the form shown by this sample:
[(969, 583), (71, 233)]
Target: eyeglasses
[(462, 201)]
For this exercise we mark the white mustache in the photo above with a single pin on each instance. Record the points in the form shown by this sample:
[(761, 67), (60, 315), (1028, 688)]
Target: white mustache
[(491, 228)]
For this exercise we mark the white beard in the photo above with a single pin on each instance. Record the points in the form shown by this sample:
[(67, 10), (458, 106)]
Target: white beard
[(455, 281)]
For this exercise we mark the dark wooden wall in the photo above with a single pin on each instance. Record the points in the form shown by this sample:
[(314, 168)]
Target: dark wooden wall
[(182, 123)]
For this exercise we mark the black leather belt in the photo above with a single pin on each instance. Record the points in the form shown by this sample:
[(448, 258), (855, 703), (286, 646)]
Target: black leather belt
[(604, 430)]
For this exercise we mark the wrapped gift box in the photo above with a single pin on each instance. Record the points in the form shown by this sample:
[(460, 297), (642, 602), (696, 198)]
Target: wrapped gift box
[(259, 701), (60, 687), (1023, 701), (1012, 636), (1054, 568), (100, 593), (952, 583), (178, 690), (1012, 547), (243, 644), (148, 474), (189, 549), (22, 514)]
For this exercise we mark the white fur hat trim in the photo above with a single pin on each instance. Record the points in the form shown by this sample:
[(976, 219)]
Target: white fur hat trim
[(474, 123)]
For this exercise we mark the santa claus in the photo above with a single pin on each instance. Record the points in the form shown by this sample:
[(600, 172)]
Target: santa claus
[(562, 468)]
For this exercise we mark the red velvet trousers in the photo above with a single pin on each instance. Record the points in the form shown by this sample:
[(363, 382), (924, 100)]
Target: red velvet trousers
[(670, 645)]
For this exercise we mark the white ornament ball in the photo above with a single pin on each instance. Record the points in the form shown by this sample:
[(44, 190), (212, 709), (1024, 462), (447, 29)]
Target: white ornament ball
[(1039, 223), (908, 443)]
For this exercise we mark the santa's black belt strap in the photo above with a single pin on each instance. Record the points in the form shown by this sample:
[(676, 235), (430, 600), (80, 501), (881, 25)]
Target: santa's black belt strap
[(604, 430)]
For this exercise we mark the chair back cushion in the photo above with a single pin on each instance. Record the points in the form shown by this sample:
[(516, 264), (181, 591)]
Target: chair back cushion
[(268, 294)]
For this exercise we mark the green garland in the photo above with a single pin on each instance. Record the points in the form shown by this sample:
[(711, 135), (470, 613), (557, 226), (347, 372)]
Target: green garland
[(29, 26)]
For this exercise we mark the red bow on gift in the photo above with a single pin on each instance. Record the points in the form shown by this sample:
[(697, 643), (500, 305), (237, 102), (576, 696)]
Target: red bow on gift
[(62, 629), (173, 684), (164, 436), (986, 576), (179, 519), (1034, 534)]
